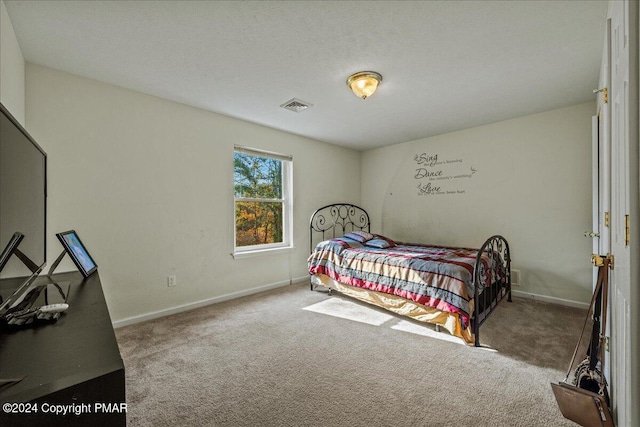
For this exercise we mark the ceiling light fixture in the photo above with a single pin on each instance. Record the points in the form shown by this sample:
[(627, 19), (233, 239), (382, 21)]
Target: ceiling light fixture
[(364, 83)]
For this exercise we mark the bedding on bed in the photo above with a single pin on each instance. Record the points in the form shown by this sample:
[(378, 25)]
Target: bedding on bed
[(435, 276)]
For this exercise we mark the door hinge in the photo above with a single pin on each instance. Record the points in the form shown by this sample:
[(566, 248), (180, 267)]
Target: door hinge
[(627, 232), (599, 260), (605, 96), (606, 219)]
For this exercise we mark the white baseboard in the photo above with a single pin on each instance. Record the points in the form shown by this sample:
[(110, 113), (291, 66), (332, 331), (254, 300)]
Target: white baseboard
[(197, 304), (552, 300)]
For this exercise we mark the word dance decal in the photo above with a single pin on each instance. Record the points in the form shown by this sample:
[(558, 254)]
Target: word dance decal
[(441, 177)]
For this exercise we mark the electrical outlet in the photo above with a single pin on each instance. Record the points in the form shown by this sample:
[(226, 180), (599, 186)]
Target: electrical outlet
[(171, 281)]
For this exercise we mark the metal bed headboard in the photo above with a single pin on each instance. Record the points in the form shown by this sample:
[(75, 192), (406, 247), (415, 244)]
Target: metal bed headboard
[(337, 219)]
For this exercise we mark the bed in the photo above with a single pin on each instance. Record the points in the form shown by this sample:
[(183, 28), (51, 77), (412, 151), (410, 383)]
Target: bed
[(451, 287)]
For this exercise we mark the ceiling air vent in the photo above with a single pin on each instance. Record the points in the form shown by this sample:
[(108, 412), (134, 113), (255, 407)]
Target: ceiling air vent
[(296, 105)]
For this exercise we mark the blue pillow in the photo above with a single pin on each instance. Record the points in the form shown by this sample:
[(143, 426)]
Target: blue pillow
[(380, 242), (359, 236)]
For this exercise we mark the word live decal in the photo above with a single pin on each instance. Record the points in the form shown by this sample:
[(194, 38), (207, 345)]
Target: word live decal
[(439, 176)]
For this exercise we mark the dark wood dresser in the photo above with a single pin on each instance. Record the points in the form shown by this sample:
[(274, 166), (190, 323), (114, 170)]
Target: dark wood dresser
[(72, 365)]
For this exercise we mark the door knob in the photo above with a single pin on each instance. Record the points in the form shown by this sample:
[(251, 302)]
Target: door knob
[(591, 234)]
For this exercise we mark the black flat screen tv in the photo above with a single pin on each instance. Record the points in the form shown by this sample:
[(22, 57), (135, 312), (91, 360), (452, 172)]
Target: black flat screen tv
[(23, 200)]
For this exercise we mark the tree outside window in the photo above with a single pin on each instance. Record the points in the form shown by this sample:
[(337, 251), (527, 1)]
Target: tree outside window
[(261, 200)]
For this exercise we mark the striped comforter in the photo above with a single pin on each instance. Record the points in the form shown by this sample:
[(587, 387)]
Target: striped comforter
[(435, 276)]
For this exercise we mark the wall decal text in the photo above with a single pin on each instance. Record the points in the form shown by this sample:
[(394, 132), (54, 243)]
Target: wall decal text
[(437, 176)]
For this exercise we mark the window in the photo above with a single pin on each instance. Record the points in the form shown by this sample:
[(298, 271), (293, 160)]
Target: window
[(262, 200)]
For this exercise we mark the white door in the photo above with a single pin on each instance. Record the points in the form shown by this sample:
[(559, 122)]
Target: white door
[(602, 163), (596, 204), (622, 124), (601, 159), (601, 168)]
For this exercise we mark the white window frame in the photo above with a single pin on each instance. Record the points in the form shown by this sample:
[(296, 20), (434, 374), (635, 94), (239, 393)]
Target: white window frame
[(287, 206)]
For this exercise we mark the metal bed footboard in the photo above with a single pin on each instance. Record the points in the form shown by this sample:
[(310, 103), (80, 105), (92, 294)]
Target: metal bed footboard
[(498, 272)]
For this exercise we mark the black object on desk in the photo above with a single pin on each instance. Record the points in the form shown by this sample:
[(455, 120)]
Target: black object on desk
[(72, 365)]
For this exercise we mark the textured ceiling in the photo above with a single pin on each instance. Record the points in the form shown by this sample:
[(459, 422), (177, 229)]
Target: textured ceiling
[(446, 65)]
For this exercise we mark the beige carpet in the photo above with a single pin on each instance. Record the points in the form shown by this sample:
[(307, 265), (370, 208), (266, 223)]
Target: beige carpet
[(293, 357)]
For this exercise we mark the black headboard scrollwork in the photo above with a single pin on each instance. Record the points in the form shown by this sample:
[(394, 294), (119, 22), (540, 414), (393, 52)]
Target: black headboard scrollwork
[(337, 219)]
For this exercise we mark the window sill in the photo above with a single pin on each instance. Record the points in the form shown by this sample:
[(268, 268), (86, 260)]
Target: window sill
[(258, 252)]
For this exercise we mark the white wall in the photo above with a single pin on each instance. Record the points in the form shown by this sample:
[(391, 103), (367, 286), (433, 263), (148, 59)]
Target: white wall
[(532, 185), (148, 185), (12, 67)]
